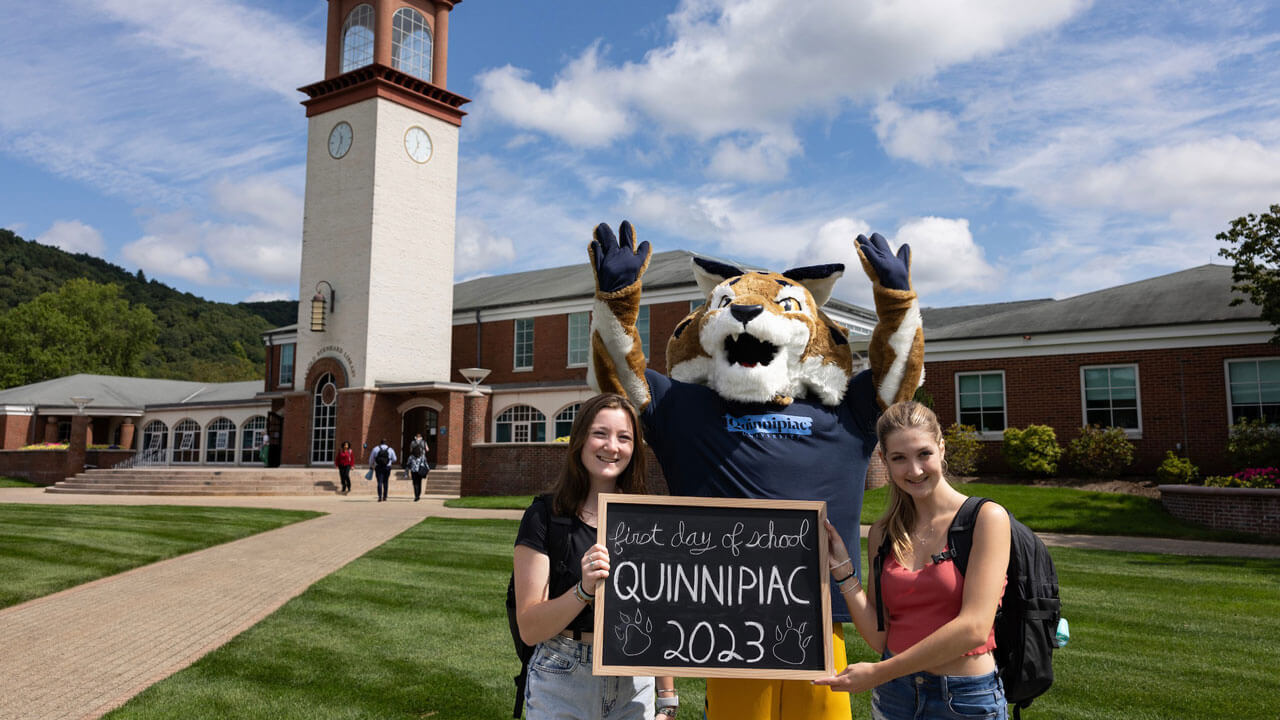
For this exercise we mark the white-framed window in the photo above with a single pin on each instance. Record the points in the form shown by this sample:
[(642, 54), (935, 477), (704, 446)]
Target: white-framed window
[(642, 327), (980, 401), (579, 338), (252, 433), (1253, 389), (155, 440), (1109, 397), (564, 420), (286, 364), (521, 423), (324, 419), (186, 442), (524, 344), (695, 304), (411, 43), (220, 441), (357, 38)]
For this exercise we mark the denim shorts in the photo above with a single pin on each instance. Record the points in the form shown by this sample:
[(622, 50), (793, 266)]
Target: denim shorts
[(925, 696), (561, 687)]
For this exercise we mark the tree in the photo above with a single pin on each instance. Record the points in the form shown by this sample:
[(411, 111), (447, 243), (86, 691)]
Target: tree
[(1255, 250), (83, 327)]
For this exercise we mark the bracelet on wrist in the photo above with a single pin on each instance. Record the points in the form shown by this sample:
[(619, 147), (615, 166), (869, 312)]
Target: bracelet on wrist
[(841, 581), (667, 702), (668, 711), (581, 593), (665, 691)]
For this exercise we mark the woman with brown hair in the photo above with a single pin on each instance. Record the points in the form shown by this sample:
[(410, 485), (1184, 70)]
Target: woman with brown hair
[(555, 586)]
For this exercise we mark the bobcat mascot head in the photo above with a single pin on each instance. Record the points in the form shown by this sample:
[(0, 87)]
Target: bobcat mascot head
[(761, 337)]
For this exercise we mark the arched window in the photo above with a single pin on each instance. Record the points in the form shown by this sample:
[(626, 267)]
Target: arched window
[(155, 441), (324, 419), (521, 423), (220, 441), (186, 442), (411, 43), (564, 421), (357, 38), (252, 433)]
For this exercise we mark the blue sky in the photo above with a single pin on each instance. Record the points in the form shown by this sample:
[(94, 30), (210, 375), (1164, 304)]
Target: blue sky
[(1024, 149)]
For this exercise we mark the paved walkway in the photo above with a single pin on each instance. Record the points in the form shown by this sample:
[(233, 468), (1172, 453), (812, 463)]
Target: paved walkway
[(81, 652)]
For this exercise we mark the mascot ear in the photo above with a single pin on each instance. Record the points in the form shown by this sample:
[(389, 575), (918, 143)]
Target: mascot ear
[(710, 273), (819, 280)]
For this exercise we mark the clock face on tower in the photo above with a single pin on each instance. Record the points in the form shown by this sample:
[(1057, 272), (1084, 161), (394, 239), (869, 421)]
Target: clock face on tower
[(418, 144), (339, 140)]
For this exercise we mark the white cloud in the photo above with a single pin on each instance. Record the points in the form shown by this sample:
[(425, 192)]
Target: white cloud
[(764, 159), (74, 237), (268, 295), (923, 136), (944, 256), (756, 66), (477, 248), (172, 254)]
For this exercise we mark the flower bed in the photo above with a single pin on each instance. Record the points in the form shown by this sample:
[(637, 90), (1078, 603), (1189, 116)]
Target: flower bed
[(1250, 510)]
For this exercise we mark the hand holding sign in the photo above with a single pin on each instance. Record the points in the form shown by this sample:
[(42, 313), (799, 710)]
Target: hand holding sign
[(595, 567)]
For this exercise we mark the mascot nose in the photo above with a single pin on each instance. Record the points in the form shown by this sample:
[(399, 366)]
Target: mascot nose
[(744, 313)]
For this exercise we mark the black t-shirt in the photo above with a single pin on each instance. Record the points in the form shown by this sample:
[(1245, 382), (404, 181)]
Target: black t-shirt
[(566, 570)]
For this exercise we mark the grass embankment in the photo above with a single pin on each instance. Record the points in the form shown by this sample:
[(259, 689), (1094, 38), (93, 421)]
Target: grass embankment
[(46, 548), (417, 629), (1044, 509), (12, 482)]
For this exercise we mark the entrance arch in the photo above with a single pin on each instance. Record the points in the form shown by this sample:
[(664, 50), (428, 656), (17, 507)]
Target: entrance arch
[(423, 417)]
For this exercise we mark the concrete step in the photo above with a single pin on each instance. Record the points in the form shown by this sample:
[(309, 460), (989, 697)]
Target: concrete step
[(240, 481)]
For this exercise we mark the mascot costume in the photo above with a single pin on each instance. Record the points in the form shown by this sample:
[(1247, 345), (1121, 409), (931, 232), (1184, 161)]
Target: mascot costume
[(761, 402)]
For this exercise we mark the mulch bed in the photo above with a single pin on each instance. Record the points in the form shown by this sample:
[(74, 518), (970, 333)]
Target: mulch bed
[(1143, 486)]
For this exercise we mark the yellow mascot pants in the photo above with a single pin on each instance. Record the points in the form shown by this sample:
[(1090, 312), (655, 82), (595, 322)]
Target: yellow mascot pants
[(737, 699)]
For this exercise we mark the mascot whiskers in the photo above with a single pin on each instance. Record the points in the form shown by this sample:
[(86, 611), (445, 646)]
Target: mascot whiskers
[(761, 402)]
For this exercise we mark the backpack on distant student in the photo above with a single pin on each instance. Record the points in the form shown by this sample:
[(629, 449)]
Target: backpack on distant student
[(557, 551), (383, 457), (1027, 621)]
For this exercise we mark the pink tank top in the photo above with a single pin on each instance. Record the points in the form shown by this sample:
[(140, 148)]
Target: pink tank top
[(918, 603)]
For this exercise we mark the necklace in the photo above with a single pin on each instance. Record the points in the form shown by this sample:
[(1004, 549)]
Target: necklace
[(922, 538)]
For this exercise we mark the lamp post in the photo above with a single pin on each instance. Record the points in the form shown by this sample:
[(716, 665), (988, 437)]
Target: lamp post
[(81, 402), (475, 376)]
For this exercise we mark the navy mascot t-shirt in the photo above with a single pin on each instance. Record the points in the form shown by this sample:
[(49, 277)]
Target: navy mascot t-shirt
[(712, 447)]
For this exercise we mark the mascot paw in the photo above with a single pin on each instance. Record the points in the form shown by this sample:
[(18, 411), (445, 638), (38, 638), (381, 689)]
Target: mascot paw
[(618, 262), (881, 265)]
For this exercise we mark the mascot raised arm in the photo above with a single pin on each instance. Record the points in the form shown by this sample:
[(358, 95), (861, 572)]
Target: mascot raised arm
[(761, 402)]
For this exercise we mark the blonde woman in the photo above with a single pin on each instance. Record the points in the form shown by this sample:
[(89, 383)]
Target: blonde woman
[(939, 630)]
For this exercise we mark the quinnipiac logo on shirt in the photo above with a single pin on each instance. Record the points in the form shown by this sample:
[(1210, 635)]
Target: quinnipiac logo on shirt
[(771, 424)]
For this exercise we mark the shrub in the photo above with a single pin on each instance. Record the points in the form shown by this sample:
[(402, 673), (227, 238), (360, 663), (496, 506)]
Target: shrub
[(1265, 478), (1033, 450), (963, 449), (1253, 444), (1103, 452), (924, 397), (1176, 469)]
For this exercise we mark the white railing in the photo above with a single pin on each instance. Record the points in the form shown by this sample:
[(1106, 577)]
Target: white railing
[(144, 458)]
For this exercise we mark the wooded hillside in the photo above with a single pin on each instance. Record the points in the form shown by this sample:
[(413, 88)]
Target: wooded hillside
[(196, 339)]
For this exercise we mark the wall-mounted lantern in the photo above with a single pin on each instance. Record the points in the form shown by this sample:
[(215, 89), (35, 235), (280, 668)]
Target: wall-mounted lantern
[(475, 376), (318, 306)]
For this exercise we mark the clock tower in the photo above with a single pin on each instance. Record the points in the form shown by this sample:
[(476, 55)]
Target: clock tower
[(376, 282)]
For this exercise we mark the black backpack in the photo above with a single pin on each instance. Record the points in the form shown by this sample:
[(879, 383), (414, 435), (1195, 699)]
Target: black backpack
[(1027, 621), (383, 458), (557, 550)]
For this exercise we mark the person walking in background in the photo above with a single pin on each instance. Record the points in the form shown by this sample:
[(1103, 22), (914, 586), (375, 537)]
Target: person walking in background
[(345, 460), (554, 586), (381, 460), (417, 465)]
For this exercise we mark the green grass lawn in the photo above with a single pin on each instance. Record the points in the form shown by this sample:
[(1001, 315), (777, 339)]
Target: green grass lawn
[(46, 548), (417, 629), (12, 482), (1044, 509)]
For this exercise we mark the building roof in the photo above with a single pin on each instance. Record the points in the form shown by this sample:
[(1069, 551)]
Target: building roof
[(113, 391), (1197, 295), (670, 269)]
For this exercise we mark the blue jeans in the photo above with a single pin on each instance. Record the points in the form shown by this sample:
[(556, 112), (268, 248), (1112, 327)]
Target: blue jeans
[(561, 687), (925, 696), (384, 476)]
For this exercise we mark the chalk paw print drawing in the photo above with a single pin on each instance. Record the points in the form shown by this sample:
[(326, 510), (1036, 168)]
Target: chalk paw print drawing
[(634, 632), (791, 644)]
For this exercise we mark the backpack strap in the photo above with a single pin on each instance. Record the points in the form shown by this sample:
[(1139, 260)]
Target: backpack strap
[(960, 534), (558, 529), (877, 565)]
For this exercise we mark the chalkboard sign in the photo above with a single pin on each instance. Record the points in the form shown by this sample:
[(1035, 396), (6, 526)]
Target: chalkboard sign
[(708, 587)]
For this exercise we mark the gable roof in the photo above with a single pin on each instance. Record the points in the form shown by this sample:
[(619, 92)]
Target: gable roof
[(114, 391), (1198, 295)]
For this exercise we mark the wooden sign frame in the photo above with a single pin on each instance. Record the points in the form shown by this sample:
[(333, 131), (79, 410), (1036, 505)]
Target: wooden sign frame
[(822, 605)]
